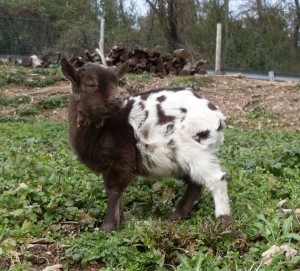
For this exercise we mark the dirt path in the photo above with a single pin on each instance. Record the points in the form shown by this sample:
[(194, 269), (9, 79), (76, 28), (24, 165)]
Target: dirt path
[(272, 104)]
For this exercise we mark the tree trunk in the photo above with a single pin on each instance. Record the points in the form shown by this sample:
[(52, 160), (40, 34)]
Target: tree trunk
[(297, 24), (173, 24), (122, 12), (167, 13), (226, 27)]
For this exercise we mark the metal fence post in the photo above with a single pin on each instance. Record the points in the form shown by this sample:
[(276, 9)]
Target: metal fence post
[(271, 76)]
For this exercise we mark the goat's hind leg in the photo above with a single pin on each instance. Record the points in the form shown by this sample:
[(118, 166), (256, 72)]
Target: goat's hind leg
[(219, 191), (186, 203)]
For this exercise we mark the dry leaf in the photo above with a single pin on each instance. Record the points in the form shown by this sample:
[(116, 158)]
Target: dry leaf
[(168, 196), (291, 211), (267, 256), (56, 267), (281, 203), (296, 212), (84, 216), (290, 252)]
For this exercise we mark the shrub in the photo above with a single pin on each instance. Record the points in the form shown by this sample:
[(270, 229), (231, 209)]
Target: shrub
[(14, 101), (53, 102), (28, 111)]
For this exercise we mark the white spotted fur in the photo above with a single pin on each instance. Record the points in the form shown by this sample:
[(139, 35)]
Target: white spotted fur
[(186, 156)]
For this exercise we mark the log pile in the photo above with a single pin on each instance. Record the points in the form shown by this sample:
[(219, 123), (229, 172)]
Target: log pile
[(28, 62), (140, 61), (150, 60)]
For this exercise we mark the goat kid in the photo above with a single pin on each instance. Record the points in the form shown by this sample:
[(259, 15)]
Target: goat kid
[(163, 132)]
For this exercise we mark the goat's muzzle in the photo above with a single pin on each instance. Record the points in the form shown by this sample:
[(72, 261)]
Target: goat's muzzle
[(115, 104)]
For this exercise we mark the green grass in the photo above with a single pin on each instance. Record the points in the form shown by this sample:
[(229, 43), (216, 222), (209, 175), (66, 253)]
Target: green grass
[(42, 185), (39, 77), (194, 82), (259, 116), (139, 78), (13, 101)]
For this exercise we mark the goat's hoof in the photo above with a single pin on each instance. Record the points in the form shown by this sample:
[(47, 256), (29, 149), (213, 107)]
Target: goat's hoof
[(225, 219), (226, 177), (174, 216)]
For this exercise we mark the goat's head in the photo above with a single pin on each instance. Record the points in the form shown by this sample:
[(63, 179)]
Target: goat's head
[(95, 88)]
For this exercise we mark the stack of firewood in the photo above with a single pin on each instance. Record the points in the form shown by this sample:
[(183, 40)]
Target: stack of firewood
[(150, 60)]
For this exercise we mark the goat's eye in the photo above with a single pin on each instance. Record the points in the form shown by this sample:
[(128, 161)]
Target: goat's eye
[(91, 85)]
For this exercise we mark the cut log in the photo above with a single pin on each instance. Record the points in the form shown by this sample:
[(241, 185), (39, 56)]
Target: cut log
[(200, 63), (186, 70), (152, 69), (133, 61), (181, 53), (26, 62), (89, 56)]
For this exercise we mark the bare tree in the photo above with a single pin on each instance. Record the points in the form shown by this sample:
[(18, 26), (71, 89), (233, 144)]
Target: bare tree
[(260, 10), (167, 12), (122, 12), (226, 24)]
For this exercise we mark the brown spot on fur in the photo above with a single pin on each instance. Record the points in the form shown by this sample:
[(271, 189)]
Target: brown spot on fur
[(145, 133), (129, 104), (161, 98), (201, 135), (183, 111), (144, 96), (212, 107), (162, 117), (142, 105)]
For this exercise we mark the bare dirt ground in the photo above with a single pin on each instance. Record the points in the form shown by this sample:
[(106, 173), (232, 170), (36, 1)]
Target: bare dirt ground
[(248, 103)]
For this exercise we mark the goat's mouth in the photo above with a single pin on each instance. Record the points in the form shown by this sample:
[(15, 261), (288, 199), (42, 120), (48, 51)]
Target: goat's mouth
[(114, 105)]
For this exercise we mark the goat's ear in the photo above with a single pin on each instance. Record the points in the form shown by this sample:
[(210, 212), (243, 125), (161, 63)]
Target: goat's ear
[(122, 69), (70, 73)]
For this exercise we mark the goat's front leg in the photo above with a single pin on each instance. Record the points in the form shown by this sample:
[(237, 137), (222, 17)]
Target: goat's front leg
[(114, 211), (186, 203), (115, 185)]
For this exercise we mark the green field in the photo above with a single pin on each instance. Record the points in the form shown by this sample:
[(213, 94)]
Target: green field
[(45, 193)]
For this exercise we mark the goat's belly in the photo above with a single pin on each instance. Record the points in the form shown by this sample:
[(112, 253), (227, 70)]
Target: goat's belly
[(159, 159)]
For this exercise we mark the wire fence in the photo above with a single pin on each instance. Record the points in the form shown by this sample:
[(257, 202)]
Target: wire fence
[(27, 36), (24, 36)]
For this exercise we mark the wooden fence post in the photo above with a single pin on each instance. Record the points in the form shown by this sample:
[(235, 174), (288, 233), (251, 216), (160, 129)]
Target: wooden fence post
[(218, 49)]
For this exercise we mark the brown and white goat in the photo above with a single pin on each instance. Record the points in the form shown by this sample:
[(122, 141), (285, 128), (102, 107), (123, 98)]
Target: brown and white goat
[(163, 132)]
